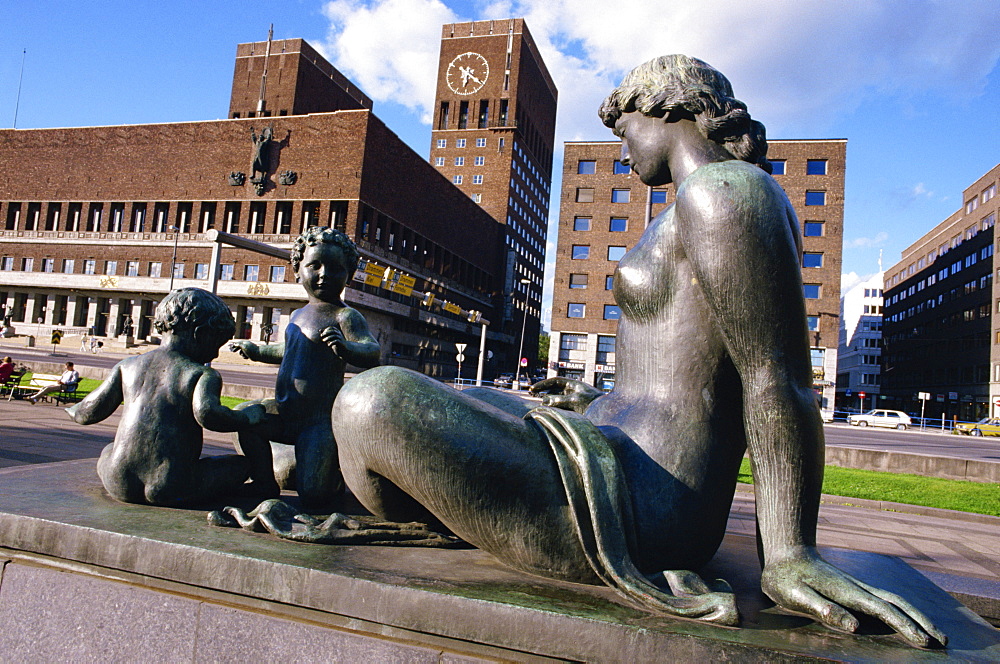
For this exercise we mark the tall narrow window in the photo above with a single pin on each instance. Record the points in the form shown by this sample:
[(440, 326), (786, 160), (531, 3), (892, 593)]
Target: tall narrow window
[(503, 112), (484, 113), (443, 117), (463, 115)]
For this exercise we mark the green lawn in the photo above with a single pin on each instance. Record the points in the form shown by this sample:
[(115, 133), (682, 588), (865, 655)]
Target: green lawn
[(88, 385), (978, 497)]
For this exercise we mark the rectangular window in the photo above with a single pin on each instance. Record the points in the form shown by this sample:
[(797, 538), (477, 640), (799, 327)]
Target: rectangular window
[(618, 224), (581, 251), (812, 259), (89, 266), (573, 347), (578, 281), (612, 312), (250, 272), (605, 349), (484, 113), (816, 167), (201, 270), (443, 116), (131, 268), (581, 223), (658, 196), (457, 179), (27, 264), (615, 253), (815, 198), (178, 270), (460, 161), (7, 263), (609, 282), (813, 229), (476, 198), (971, 205), (503, 115), (576, 310), (460, 143), (439, 161), (811, 291), (477, 179), (277, 273), (586, 167), (620, 195), (620, 168), (226, 272), (777, 167), (480, 161), (480, 142), (48, 265), (813, 323), (463, 114), (110, 267), (584, 195), (155, 269), (442, 142)]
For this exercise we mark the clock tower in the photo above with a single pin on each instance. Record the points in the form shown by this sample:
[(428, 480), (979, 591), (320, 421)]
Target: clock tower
[(493, 136)]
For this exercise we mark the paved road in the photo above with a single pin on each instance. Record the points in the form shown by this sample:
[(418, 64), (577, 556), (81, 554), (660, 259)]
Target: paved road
[(914, 442)]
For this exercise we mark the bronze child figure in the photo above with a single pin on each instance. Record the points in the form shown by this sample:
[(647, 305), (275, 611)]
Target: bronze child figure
[(321, 339), (169, 396)]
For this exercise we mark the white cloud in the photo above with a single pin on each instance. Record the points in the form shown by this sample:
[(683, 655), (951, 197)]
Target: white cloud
[(849, 281), (867, 242), (798, 64)]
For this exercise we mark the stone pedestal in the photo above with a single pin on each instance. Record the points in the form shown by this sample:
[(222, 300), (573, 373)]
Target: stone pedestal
[(85, 577)]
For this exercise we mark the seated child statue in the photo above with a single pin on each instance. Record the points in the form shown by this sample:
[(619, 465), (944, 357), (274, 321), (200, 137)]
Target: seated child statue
[(321, 339), (170, 396)]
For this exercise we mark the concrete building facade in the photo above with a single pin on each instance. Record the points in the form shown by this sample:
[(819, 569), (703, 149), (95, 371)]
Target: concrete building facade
[(493, 138), (859, 352), (98, 223), (604, 209), (941, 334)]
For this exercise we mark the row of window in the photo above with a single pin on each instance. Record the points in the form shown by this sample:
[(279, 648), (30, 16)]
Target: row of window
[(154, 269), (615, 225), (813, 167), (943, 273), (460, 161), (461, 142), (985, 223), (586, 195), (579, 310), (582, 252), (573, 348), (581, 280), (986, 195), (476, 179)]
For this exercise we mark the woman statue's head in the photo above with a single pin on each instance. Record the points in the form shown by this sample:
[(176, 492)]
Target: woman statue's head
[(671, 84)]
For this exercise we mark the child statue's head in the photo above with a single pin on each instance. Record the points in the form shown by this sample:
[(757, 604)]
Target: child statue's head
[(197, 315), (324, 260)]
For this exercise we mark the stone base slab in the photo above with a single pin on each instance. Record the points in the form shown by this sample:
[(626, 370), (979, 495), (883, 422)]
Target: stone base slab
[(85, 577)]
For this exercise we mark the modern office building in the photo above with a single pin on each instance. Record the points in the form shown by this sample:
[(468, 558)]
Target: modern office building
[(941, 334), (605, 209), (859, 353), (493, 138), (98, 223)]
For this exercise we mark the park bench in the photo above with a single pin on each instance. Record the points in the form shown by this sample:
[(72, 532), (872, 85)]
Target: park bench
[(38, 381), (11, 385)]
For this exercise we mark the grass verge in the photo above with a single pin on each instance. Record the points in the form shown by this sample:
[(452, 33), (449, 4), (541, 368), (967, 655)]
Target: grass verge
[(976, 497), (88, 385)]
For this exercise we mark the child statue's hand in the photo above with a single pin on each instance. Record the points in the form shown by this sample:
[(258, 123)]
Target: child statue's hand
[(255, 414), (333, 337), (247, 349)]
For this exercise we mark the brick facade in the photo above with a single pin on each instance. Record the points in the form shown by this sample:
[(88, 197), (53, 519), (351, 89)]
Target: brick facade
[(86, 235), (604, 213)]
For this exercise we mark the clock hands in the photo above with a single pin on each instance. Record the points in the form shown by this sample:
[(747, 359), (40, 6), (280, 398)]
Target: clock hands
[(467, 73)]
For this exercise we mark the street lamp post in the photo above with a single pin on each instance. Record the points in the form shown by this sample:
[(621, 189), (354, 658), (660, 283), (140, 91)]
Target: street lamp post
[(520, 348), (173, 260)]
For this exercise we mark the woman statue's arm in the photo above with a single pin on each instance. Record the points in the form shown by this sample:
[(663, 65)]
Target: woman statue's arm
[(740, 234)]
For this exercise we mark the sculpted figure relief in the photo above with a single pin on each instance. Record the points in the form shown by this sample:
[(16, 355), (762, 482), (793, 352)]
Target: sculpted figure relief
[(712, 360)]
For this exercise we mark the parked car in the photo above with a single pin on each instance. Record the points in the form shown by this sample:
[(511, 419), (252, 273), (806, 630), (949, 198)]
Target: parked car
[(894, 419), (988, 426), (504, 380)]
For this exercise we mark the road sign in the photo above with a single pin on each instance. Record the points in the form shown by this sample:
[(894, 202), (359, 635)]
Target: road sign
[(524, 361), (996, 401), (861, 395), (56, 336), (460, 347), (460, 357)]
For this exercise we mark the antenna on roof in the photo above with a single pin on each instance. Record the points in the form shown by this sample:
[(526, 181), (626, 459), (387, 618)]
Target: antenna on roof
[(263, 77), (20, 76)]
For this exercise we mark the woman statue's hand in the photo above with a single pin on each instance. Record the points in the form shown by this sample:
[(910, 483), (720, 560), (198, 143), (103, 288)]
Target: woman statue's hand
[(565, 393), (806, 583)]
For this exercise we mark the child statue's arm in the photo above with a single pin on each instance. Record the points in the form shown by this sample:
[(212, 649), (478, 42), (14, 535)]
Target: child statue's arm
[(351, 340), (102, 402), (211, 414), (270, 353)]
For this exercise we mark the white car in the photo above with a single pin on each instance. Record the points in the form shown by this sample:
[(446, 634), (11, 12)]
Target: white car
[(893, 419)]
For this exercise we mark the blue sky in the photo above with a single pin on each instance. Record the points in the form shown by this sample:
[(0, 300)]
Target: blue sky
[(912, 84)]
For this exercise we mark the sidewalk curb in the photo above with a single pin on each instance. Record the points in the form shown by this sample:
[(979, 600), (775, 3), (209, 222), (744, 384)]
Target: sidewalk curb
[(903, 508)]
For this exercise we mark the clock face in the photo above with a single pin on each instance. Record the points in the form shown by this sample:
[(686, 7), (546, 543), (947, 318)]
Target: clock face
[(467, 73)]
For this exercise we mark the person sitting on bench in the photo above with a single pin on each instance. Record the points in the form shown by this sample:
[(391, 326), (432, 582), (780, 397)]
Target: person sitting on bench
[(67, 383)]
